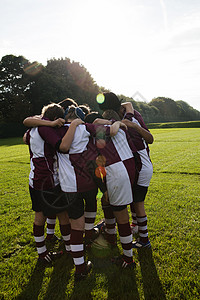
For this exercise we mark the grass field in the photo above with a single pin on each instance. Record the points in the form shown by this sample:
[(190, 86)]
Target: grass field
[(169, 270)]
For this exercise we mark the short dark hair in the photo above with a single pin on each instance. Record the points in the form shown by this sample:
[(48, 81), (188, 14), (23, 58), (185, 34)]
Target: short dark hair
[(73, 112), (92, 116), (67, 102), (52, 111), (110, 114), (85, 108), (111, 101)]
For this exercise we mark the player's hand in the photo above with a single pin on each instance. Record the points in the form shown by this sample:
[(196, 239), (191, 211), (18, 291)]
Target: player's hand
[(58, 122), (77, 122), (129, 123), (123, 125)]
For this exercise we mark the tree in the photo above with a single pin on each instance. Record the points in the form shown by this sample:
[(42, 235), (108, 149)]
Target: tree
[(174, 111), (14, 84), (62, 79)]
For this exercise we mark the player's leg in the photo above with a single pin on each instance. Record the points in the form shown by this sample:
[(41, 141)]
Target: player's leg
[(44, 255), (91, 233), (51, 223), (38, 233), (41, 211), (77, 221), (134, 225), (110, 222), (122, 217), (39, 221), (139, 196), (65, 229)]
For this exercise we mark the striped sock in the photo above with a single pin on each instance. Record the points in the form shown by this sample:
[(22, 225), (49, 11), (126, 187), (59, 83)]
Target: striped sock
[(133, 214), (65, 231), (51, 223), (143, 231), (89, 223), (77, 250), (126, 241), (110, 222), (38, 232)]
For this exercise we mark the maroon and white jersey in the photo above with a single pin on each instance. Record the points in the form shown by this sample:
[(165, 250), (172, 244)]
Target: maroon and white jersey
[(120, 168), (43, 161), (73, 172), (146, 171)]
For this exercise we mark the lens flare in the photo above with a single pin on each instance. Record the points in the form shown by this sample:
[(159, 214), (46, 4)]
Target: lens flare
[(33, 68), (101, 143), (101, 160), (100, 98), (100, 172)]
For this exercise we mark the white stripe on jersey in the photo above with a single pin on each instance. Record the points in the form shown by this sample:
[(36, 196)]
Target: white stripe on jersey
[(37, 149), (31, 174), (80, 141), (147, 169), (36, 143), (67, 174), (121, 144)]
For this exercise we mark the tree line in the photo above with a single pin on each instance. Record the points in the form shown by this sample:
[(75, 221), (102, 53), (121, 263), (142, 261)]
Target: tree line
[(25, 87)]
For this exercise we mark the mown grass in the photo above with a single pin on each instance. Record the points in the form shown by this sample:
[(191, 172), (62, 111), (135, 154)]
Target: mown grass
[(170, 270), (188, 124)]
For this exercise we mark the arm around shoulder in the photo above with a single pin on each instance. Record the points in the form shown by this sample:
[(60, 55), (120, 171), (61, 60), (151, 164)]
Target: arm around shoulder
[(35, 122), (69, 135)]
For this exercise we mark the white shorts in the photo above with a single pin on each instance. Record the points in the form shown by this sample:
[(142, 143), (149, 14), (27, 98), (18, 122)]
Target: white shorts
[(146, 171), (118, 184)]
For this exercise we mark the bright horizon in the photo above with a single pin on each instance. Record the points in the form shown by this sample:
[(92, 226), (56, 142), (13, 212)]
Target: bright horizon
[(152, 47)]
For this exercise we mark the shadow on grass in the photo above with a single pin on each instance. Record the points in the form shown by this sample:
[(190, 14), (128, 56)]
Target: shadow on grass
[(56, 287), (33, 287), (151, 282), (60, 277), (113, 281), (83, 290)]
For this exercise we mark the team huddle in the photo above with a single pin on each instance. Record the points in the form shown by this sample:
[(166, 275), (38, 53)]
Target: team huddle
[(75, 153)]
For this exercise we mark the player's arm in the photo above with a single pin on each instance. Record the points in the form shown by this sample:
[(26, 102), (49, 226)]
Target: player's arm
[(37, 121), (69, 135), (24, 137), (147, 136), (128, 107), (102, 122), (115, 127)]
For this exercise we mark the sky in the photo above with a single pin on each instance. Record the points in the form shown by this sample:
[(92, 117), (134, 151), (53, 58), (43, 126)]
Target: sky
[(128, 46)]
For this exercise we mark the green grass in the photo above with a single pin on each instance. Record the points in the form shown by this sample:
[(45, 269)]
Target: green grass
[(187, 124), (170, 270)]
